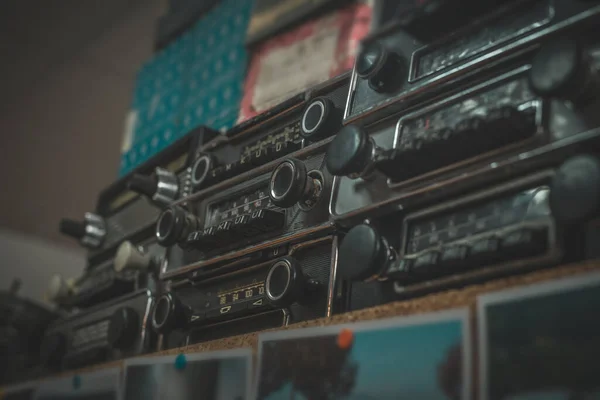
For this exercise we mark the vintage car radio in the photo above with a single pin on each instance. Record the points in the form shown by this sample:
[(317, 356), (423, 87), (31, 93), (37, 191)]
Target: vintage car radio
[(268, 289), (434, 46), (529, 222), (133, 267), (109, 331), (130, 205), (279, 201), (546, 101)]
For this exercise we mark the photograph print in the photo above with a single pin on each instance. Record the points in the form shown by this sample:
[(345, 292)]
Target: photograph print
[(424, 357), (221, 375), (541, 342), (98, 385)]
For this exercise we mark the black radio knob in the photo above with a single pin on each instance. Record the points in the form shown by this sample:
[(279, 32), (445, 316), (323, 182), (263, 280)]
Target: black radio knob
[(168, 314), (383, 69), (162, 186), (575, 190), (291, 183), (562, 69), (53, 349), (287, 284), (201, 168), (90, 232), (123, 328), (363, 254), (174, 225), (350, 153), (320, 119)]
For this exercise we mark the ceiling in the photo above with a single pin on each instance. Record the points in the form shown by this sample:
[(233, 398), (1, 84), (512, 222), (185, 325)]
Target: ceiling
[(67, 72)]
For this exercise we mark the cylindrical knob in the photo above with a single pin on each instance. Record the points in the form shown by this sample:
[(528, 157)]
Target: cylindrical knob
[(161, 187), (174, 225), (287, 284), (363, 254), (58, 289), (201, 168), (168, 314), (53, 349), (123, 328), (90, 232), (321, 119), (291, 184), (575, 190), (129, 256), (383, 69), (350, 153), (561, 69)]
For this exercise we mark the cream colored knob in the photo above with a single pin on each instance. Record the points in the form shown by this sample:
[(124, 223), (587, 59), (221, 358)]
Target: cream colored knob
[(58, 288), (128, 256)]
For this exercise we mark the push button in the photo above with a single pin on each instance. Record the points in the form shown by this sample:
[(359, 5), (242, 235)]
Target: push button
[(226, 310), (242, 226), (224, 232), (267, 220)]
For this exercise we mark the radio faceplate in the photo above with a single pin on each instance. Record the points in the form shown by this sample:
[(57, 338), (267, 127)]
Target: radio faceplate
[(398, 67)]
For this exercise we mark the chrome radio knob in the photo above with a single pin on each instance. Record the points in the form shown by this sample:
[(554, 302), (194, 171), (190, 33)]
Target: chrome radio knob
[(384, 69), (201, 168), (90, 232), (287, 284), (562, 69), (174, 225), (351, 153), (58, 289), (320, 119), (168, 314), (131, 257), (364, 254), (575, 190), (162, 186), (290, 184), (123, 328)]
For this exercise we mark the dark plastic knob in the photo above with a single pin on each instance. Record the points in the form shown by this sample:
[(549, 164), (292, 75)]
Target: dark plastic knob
[(286, 283), (143, 184), (362, 254), (53, 349), (383, 69), (349, 152), (288, 183), (123, 328), (173, 225), (168, 314), (560, 69), (201, 168), (575, 190), (69, 227), (321, 119)]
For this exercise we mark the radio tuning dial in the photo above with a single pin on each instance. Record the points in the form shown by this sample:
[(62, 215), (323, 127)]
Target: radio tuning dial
[(168, 314), (161, 187), (90, 232), (320, 119), (287, 284), (363, 254), (562, 69), (123, 328), (351, 153), (291, 183), (131, 257), (174, 225), (201, 169), (575, 190), (384, 69)]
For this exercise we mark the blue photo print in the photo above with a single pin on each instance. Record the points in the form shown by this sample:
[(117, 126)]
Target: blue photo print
[(223, 375), (103, 384), (423, 357), (541, 342)]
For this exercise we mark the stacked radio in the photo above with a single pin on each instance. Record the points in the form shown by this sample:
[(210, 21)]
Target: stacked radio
[(462, 146)]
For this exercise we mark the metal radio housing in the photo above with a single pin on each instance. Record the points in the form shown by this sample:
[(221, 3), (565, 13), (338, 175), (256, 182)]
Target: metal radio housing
[(270, 288), (404, 62), (113, 330)]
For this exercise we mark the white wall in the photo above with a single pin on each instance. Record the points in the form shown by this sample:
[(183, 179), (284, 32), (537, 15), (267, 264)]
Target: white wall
[(34, 261)]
